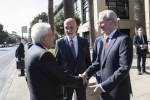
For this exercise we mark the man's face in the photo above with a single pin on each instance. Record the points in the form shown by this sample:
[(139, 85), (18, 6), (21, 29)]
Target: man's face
[(49, 39), (140, 31), (70, 28), (17, 40), (105, 25)]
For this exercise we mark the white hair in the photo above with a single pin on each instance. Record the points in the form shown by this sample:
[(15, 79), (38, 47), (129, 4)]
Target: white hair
[(109, 14), (39, 30)]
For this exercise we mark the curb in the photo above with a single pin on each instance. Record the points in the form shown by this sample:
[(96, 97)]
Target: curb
[(8, 83)]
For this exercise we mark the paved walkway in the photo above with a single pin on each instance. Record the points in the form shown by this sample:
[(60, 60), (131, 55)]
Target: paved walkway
[(16, 87)]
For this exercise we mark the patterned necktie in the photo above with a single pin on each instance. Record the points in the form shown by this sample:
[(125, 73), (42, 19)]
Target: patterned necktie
[(73, 49), (106, 44)]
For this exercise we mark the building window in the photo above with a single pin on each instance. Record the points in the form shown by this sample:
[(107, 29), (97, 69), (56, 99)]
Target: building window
[(76, 6), (121, 8), (126, 31), (85, 11)]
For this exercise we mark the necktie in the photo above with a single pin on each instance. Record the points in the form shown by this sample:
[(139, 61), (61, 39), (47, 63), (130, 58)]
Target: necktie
[(141, 39), (73, 49), (106, 44)]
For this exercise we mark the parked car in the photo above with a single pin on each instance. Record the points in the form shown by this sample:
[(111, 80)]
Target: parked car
[(1, 45), (10, 45)]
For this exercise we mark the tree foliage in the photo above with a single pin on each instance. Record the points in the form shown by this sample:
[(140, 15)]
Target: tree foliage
[(59, 21), (3, 34), (43, 16)]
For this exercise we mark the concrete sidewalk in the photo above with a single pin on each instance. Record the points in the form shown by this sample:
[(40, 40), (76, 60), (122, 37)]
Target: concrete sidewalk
[(16, 87)]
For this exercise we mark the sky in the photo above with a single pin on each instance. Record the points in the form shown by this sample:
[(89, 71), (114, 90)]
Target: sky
[(15, 14)]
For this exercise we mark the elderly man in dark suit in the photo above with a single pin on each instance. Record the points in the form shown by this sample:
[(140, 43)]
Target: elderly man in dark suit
[(114, 62), (20, 54), (73, 55), (44, 75), (140, 42)]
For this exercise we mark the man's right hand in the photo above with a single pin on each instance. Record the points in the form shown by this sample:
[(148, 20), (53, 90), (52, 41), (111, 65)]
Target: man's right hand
[(84, 77)]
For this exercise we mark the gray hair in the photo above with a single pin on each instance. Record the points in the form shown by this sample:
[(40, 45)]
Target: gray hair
[(109, 14), (39, 30)]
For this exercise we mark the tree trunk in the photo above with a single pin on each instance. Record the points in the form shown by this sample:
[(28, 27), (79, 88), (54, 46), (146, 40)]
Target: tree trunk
[(50, 14), (68, 9), (139, 14), (91, 22)]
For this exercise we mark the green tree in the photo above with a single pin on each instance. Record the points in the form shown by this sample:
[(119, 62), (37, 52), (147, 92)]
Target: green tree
[(59, 23), (3, 34), (43, 16)]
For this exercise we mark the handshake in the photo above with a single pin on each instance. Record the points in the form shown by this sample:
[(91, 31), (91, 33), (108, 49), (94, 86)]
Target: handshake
[(96, 88), (84, 77)]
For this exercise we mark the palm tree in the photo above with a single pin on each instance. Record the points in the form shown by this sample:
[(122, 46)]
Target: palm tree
[(91, 22), (68, 9), (50, 14), (139, 14)]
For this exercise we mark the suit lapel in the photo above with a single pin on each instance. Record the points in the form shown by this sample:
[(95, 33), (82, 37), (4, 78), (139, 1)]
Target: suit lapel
[(111, 43), (79, 46)]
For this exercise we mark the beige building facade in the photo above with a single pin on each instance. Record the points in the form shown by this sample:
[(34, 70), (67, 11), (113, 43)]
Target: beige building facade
[(123, 8)]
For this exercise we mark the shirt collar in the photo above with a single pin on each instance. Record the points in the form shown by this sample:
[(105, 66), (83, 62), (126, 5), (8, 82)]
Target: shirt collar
[(74, 39), (44, 47), (112, 33)]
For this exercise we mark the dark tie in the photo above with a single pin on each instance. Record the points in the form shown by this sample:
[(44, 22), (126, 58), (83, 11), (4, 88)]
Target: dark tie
[(73, 49), (141, 39), (106, 44)]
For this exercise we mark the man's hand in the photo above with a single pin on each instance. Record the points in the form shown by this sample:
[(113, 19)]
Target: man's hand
[(96, 90), (84, 77), (22, 58)]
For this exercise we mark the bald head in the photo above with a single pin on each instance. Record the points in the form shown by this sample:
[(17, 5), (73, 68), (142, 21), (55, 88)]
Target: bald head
[(70, 20), (70, 27)]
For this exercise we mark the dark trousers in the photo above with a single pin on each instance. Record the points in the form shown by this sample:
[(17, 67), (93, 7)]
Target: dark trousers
[(80, 92), (141, 55), (21, 70)]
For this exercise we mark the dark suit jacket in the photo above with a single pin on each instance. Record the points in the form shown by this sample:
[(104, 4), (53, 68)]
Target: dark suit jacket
[(20, 51), (45, 77), (96, 48), (137, 43), (65, 57), (114, 68)]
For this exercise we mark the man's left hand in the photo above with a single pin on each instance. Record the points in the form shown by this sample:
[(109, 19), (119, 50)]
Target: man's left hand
[(96, 90)]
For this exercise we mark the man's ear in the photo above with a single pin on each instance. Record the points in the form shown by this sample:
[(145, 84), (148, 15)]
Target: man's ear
[(43, 39)]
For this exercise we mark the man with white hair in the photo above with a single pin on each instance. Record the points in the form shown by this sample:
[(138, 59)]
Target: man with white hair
[(114, 61), (44, 76)]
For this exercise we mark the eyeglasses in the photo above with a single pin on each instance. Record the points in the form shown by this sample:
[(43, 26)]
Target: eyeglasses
[(103, 22)]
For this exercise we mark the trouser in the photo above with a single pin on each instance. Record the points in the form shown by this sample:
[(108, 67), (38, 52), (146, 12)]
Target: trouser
[(141, 55)]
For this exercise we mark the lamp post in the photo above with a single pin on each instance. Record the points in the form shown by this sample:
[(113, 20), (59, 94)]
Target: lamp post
[(118, 19)]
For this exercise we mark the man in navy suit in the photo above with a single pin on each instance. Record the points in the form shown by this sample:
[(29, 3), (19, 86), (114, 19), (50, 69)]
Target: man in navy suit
[(20, 54), (73, 55), (140, 43), (114, 61), (44, 76)]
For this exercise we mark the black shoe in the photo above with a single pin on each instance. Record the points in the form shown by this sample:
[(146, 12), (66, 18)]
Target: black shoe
[(139, 73), (146, 72), (19, 75)]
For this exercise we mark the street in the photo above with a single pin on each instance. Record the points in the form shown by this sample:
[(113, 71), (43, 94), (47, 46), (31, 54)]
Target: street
[(7, 56)]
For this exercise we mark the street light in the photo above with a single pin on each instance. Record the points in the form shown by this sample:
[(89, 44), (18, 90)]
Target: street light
[(118, 19)]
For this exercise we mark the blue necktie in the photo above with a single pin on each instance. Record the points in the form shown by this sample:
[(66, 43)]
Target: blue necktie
[(141, 39), (73, 49)]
